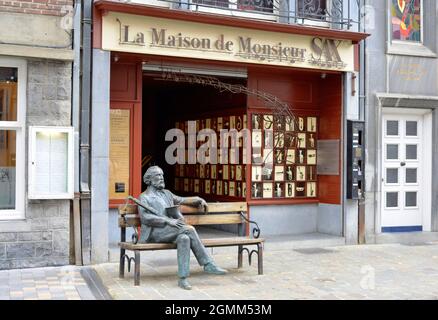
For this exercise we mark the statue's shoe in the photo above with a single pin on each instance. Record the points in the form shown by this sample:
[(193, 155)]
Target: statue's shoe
[(214, 269), (183, 283)]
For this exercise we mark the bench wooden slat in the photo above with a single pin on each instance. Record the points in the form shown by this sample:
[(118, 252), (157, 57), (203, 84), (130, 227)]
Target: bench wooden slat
[(216, 207), (218, 242), (226, 218), (194, 220), (213, 207)]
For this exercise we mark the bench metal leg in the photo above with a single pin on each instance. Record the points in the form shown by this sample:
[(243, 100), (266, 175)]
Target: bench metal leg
[(239, 257), (260, 256), (122, 264), (137, 268)]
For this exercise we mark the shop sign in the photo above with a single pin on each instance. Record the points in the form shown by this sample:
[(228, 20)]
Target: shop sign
[(148, 35)]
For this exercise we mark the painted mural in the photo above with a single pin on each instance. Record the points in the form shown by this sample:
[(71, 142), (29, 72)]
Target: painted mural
[(406, 20)]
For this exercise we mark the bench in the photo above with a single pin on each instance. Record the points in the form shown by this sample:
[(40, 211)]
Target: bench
[(218, 213)]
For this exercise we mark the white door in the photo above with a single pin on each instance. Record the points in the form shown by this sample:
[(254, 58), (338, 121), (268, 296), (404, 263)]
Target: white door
[(403, 172)]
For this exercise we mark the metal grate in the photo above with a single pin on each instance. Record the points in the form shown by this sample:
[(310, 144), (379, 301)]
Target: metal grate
[(336, 14)]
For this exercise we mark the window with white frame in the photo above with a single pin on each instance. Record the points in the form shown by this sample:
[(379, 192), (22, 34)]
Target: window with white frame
[(12, 126)]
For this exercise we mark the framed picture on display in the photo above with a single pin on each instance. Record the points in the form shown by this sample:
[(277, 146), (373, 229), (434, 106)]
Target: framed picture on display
[(213, 171), (311, 189), (289, 124), (311, 124), (301, 173), (220, 124), (301, 156), (290, 156), (311, 173), (290, 190), (226, 122), (289, 173), (267, 173), (232, 172), (279, 123), (301, 140), (256, 190), (268, 122), (219, 186), (268, 156), (256, 173), (279, 173), (232, 122), (301, 124), (278, 190), (279, 156), (267, 190), (290, 140), (225, 188), (300, 189), (257, 156), (239, 173), (311, 156), (232, 189), (225, 172), (279, 140), (269, 139), (256, 121), (256, 139)]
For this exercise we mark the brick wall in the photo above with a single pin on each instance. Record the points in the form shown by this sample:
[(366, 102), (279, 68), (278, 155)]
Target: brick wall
[(45, 7)]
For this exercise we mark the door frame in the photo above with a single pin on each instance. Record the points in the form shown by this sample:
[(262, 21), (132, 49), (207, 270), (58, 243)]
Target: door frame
[(425, 180)]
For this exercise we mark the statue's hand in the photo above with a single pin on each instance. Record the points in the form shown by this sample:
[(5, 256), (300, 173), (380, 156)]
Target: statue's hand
[(203, 204), (176, 223)]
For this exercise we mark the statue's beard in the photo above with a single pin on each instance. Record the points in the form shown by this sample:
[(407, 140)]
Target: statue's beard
[(159, 185)]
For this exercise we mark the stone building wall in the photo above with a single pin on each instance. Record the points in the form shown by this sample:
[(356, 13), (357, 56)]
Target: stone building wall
[(44, 238)]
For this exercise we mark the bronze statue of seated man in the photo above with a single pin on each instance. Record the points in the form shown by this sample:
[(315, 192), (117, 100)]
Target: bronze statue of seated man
[(161, 221)]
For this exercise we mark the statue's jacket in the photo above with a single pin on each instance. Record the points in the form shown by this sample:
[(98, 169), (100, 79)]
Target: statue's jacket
[(158, 200)]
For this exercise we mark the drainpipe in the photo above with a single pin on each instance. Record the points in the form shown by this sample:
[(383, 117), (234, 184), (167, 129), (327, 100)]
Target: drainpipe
[(76, 111), (84, 171), (362, 105)]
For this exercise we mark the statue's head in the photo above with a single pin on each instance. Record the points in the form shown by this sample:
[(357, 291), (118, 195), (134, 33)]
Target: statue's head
[(154, 176)]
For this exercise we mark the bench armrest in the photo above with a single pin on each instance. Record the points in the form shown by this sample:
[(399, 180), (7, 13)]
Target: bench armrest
[(129, 223), (256, 230)]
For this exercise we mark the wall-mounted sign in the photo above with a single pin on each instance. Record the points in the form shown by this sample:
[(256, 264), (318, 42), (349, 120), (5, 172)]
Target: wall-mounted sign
[(158, 36), (51, 162), (119, 153)]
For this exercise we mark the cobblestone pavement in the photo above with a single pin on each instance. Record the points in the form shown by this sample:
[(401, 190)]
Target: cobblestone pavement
[(390, 271), (51, 283)]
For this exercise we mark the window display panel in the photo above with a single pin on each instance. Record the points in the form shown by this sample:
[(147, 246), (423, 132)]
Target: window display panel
[(225, 176), (288, 157)]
